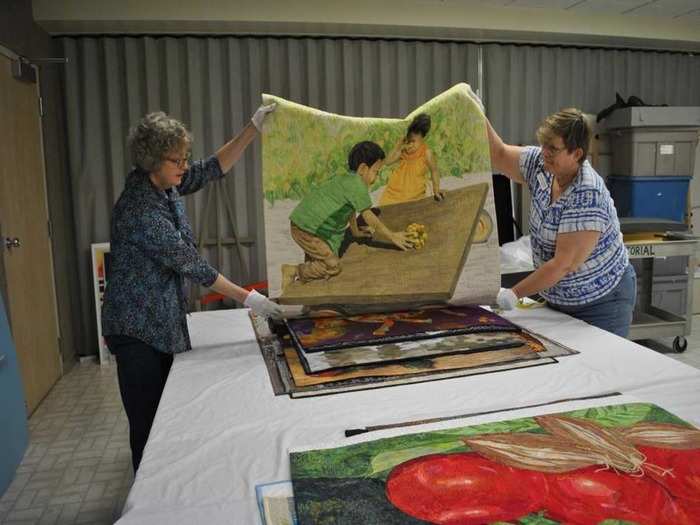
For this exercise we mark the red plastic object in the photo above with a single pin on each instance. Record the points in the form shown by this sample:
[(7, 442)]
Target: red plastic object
[(214, 297)]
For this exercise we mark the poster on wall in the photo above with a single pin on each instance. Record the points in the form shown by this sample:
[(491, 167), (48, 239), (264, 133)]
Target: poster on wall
[(100, 274)]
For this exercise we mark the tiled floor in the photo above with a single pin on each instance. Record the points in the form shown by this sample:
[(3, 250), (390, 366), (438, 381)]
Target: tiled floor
[(692, 354), (78, 465), (77, 468)]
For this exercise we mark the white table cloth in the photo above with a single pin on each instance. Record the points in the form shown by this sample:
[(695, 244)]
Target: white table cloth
[(219, 429)]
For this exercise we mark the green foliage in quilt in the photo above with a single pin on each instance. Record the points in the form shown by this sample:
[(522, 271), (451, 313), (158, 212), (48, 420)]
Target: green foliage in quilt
[(377, 458), (303, 147)]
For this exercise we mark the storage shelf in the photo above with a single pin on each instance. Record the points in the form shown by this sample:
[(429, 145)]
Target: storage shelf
[(653, 322), (648, 326)]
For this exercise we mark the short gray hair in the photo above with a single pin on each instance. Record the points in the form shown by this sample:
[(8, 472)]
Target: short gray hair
[(569, 124), (154, 136)]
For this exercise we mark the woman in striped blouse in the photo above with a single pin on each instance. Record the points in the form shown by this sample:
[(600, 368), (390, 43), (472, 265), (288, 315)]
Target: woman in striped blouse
[(581, 264)]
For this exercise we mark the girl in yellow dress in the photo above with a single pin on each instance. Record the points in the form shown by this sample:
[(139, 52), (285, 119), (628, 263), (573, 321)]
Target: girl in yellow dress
[(408, 182)]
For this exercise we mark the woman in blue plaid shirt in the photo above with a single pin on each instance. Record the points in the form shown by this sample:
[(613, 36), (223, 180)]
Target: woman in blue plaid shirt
[(153, 252), (581, 264)]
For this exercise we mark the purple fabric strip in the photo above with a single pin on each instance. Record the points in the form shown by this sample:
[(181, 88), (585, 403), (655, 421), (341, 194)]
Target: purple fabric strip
[(331, 333)]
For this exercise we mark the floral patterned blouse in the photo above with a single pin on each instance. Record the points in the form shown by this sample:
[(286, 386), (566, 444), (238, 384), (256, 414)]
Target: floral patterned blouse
[(152, 251)]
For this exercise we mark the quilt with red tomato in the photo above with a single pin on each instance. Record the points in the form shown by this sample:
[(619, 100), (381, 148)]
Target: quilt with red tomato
[(620, 464)]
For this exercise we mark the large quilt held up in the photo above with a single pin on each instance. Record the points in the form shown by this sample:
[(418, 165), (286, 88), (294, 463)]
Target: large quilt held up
[(631, 463), (455, 245)]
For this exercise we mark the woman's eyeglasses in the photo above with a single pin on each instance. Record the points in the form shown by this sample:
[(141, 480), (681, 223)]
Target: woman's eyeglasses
[(552, 150), (180, 163)]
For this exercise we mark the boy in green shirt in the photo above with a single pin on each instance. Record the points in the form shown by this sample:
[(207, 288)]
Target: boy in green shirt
[(319, 221)]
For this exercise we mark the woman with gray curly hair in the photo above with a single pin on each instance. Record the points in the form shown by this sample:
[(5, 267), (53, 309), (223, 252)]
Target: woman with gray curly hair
[(152, 252)]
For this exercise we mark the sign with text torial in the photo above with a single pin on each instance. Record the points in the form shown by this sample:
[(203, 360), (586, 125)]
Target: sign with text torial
[(641, 250)]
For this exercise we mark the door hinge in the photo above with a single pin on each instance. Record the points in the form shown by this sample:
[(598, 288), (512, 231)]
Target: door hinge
[(23, 70), (50, 228), (41, 106)]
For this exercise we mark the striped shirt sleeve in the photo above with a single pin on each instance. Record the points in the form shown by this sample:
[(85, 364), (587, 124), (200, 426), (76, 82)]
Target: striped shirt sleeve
[(585, 212), (530, 162)]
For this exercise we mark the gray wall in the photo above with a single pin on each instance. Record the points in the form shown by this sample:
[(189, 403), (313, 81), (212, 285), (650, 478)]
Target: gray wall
[(524, 83), (19, 33), (214, 84)]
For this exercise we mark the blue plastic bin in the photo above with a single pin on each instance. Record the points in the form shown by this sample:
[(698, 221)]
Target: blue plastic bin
[(652, 197)]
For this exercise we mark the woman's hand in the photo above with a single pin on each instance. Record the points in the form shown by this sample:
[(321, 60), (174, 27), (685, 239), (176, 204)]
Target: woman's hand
[(261, 305), (477, 100), (506, 299), (229, 153), (260, 114)]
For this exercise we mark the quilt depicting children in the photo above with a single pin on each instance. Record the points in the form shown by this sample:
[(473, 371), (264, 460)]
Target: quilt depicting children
[(408, 182), (378, 211), (319, 222)]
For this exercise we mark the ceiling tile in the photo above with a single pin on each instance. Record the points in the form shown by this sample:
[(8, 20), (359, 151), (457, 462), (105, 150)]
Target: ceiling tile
[(608, 6), (467, 3), (545, 4), (667, 8)]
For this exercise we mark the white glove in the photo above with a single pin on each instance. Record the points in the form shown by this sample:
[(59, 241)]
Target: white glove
[(506, 299), (261, 113), (261, 305), (475, 98)]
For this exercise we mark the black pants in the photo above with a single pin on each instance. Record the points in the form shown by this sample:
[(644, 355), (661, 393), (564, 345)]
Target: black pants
[(142, 371)]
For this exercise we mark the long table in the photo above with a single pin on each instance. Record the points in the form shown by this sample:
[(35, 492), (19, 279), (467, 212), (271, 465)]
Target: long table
[(219, 429)]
